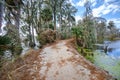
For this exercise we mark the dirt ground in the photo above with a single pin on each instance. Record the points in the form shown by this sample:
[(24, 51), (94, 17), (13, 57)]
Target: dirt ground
[(58, 61)]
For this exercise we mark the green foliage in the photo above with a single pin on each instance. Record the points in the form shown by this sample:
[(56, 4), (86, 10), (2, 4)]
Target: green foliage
[(87, 53), (79, 34), (63, 35), (90, 58), (46, 14), (16, 50), (51, 26), (85, 34), (4, 41), (13, 34), (77, 31)]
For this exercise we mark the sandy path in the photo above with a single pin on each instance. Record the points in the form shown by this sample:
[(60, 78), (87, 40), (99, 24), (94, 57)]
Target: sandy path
[(61, 62)]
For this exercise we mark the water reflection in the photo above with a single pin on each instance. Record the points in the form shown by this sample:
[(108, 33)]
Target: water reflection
[(114, 53), (113, 49), (110, 60)]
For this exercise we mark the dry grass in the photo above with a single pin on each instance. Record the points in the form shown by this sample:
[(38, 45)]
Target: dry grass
[(19, 66)]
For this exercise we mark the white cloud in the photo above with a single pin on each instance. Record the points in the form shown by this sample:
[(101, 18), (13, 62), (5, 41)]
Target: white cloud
[(98, 11), (114, 8), (93, 2), (81, 3), (105, 9), (106, 1)]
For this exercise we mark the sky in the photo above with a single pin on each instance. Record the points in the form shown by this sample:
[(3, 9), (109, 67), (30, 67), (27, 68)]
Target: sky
[(108, 9)]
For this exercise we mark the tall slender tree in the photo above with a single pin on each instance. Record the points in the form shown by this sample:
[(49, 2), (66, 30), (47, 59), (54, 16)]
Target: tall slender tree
[(1, 14), (89, 27), (100, 25), (53, 4), (12, 13)]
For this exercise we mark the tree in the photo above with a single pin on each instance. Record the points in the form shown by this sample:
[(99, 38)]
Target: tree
[(14, 7), (89, 28), (101, 30), (53, 4), (1, 14), (70, 12), (111, 25), (100, 25), (88, 10), (113, 33), (60, 11), (46, 15), (12, 14), (29, 17)]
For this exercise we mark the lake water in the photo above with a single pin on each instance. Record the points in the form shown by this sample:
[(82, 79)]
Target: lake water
[(115, 52), (109, 61)]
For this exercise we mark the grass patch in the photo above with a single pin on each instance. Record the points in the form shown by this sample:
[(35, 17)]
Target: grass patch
[(87, 53)]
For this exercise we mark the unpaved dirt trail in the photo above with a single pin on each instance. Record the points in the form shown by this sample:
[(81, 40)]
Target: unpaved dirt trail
[(62, 62), (59, 61)]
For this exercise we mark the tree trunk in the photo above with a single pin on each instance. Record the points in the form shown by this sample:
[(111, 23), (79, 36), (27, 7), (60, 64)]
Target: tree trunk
[(54, 12), (54, 19), (1, 15), (33, 37)]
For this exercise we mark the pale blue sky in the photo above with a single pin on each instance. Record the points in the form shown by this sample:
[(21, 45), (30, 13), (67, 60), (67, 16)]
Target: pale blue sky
[(108, 9)]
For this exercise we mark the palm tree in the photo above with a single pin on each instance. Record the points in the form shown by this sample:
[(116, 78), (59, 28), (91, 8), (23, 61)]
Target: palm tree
[(70, 10), (69, 15), (113, 30), (111, 25)]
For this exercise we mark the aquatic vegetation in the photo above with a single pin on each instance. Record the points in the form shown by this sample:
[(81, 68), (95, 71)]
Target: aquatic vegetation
[(112, 65)]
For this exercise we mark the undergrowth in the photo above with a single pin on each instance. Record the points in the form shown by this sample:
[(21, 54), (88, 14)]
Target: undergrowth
[(87, 53)]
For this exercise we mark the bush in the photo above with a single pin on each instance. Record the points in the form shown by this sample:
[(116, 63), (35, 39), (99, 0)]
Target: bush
[(4, 41), (87, 53), (47, 36), (16, 50)]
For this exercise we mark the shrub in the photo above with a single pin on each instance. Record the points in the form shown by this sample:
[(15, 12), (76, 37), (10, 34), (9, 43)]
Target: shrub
[(87, 53), (4, 41), (47, 36)]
